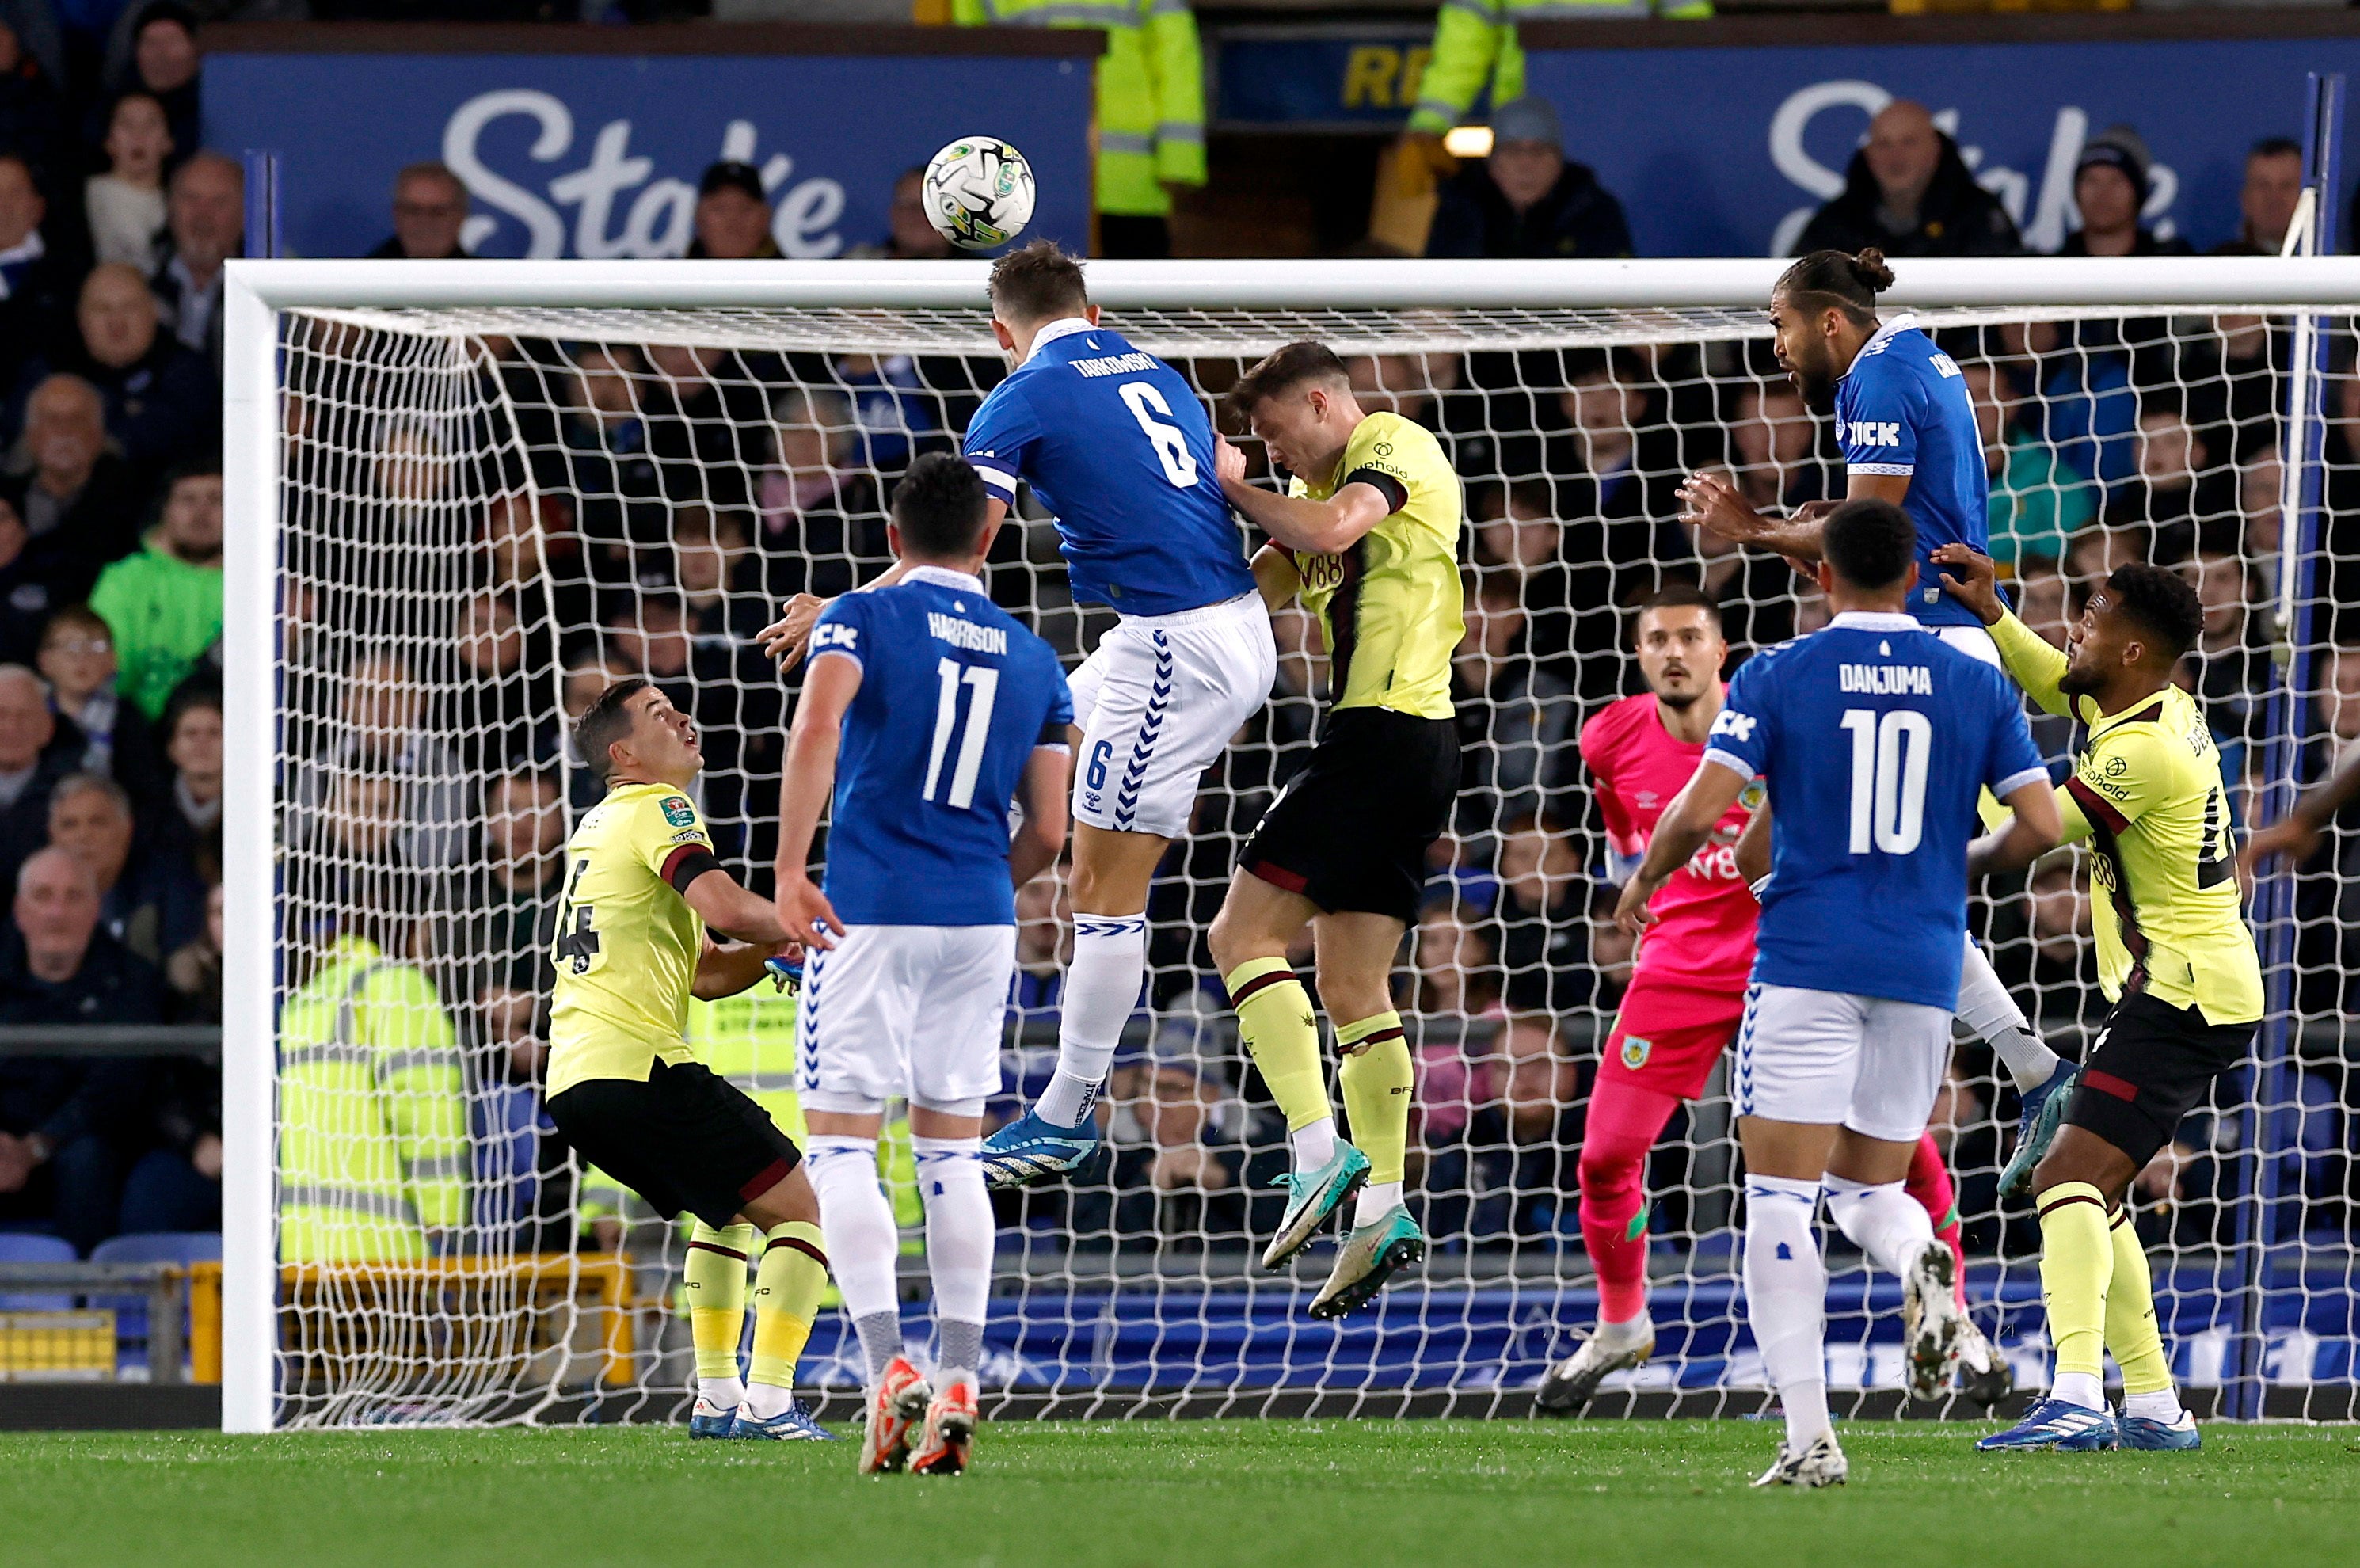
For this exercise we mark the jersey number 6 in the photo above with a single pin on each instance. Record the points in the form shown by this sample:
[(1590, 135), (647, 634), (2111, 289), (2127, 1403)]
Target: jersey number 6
[(1171, 447)]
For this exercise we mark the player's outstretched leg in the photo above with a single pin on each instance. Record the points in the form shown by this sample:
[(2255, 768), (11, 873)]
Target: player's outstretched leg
[(1377, 1080), (1625, 1120), (2040, 1075), (1786, 1305), (1059, 1133), (714, 1273), (1897, 1234), (1249, 940), (2152, 1416), (1985, 1375)]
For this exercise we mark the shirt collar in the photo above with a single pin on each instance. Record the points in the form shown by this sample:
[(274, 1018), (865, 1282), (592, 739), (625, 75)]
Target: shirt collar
[(1876, 621), (1063, 327), (1904, 323), (943, 577)]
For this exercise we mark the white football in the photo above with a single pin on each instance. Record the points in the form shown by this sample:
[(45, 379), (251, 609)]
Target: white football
[(978, 193)]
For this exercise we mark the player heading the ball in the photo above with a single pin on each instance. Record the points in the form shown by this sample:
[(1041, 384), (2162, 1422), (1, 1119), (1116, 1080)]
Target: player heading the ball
[(922, 874), (1908, 433), (1115, 443), (1367, 538), (1872, 738)]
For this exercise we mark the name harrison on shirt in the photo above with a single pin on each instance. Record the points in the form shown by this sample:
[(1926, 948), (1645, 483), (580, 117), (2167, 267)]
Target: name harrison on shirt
[(966, 634), (1900, 680)]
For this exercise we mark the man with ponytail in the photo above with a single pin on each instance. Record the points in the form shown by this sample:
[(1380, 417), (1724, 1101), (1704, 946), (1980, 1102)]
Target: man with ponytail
[(1907, 429)]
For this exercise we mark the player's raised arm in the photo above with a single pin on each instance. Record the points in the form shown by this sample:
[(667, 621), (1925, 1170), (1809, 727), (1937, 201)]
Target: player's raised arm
[(2296, 833), (828, 690), (1972, 579), (2037, 827), (1298, 522)]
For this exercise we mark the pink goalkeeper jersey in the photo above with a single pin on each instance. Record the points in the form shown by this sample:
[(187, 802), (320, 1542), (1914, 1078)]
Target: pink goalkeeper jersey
[(1705, 914)]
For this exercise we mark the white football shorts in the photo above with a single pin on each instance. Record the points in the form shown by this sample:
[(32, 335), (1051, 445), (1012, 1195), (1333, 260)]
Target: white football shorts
[(908, 1012), (1157, 704), (1826, 1057), (1974, 641)]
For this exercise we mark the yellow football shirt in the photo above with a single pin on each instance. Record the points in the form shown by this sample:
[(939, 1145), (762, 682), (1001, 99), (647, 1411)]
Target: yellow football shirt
[(628, 944), (2146, 793), (1390, 605)]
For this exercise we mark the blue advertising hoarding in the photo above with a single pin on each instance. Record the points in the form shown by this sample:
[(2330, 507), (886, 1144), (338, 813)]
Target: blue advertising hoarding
[(1725, 151), (598, 154)]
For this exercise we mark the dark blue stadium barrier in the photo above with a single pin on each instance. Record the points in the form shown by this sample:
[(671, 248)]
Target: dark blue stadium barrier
[(1181, 1338)]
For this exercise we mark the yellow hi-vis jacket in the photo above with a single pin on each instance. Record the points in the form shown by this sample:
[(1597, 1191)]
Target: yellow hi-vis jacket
[(372, 1113), (1475, 42), (1151, 107)]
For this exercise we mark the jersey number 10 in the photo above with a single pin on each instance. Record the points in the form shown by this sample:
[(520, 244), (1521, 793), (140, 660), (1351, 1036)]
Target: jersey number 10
[(1888, 779), (984, 680)]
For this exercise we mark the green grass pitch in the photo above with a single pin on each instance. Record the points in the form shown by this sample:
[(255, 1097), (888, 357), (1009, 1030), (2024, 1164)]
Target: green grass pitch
[(1227, 1494)]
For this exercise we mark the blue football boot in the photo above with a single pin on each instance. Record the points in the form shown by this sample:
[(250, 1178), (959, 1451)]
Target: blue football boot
[(2054, 1424), (2044, 1113), (709, 1420), (794, 1425), (1029, 1151), (2149, 1435)]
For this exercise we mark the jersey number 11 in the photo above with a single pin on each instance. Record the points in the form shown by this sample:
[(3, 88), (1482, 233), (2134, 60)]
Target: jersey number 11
[(985, 681)]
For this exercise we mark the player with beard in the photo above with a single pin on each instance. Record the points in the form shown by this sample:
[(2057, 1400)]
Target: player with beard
[(1688, 994), (1907, 429)]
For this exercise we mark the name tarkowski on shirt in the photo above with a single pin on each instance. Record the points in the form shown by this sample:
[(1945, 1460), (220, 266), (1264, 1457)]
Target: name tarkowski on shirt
[(1897, 680), (1114, 365), (966, 634)]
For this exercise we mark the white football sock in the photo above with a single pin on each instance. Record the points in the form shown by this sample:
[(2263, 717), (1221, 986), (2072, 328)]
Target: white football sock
[(1786, 1298), (862, 1241), (1883, 1221), (722, 1393), (1102, 985), (959, 1237), (1986, 1006), (1377, 1200), (2163, 1405), (1630, 1332), (2081, 1389), (1313, 1146)]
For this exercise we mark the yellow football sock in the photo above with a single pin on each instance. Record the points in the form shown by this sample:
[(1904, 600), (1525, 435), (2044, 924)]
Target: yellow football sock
[(1274, 1014), (1377, 1083), (715, 1270), (2131, 1330), (2076, 1263), (786, 1298)]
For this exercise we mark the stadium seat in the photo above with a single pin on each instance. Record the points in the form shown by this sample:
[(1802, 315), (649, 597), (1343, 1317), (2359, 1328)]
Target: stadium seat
[(22, 1247), (130, 1310)]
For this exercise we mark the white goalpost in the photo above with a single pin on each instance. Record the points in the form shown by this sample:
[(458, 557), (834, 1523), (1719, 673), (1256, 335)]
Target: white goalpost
[(459, 496)]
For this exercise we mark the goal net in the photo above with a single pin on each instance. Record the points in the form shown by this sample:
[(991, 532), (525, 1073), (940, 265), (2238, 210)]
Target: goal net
[(481, 512)]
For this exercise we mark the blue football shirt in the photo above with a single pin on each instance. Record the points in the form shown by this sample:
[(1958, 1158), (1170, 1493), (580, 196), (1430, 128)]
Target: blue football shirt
[(955, 696), (1116, 444), (1873, 736), (1902, 408)]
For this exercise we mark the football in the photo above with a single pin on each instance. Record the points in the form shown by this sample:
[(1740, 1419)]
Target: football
[(978, 193)]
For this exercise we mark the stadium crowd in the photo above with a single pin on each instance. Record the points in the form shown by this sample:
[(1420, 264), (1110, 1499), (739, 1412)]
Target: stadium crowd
[(596, 509)]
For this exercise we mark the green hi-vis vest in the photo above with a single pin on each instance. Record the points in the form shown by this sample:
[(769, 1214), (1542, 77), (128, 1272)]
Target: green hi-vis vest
[(1151, 107), (1475, 42), (372, 1113)]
